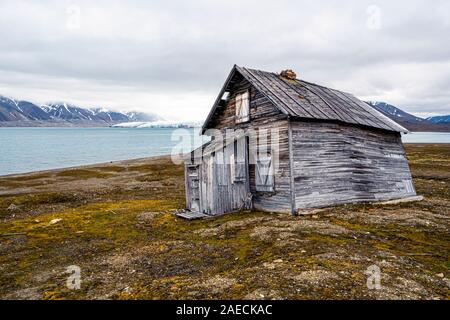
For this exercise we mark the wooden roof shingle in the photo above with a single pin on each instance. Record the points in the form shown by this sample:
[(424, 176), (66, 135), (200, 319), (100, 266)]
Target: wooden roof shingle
[(302, 99)]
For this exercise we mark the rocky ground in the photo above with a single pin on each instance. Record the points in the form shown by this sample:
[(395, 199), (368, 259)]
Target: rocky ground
[(114, 221)]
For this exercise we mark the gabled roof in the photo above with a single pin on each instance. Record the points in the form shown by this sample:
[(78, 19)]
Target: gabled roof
[(305, 100)]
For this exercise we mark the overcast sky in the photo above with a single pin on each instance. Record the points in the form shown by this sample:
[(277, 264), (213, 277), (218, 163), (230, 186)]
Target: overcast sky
[(172, 57)]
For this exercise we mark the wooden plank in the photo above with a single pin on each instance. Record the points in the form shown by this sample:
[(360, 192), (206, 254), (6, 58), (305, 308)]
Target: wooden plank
[(336, 164), (316, 102), (191, 215), (291, 169), (186, 186), (284, 107), (339, 115), (368, 120), (276, 85), (344, 108)]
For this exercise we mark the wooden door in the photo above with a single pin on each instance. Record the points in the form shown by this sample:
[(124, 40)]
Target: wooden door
[(193, 180)]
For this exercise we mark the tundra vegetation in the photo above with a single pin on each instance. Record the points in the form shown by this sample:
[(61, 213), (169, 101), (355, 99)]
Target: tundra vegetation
[(115, 222)]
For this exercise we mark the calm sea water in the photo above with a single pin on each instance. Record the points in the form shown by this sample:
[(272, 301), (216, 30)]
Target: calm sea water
[(31, 149)]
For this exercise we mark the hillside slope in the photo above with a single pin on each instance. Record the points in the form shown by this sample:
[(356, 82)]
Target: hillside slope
[(16, 113), (410, 121)]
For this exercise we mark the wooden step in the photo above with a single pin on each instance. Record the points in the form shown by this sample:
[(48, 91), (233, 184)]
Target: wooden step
[(189, 215)]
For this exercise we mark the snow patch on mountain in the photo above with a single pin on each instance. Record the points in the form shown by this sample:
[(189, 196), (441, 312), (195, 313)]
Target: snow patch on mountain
[(158, 124), (12, 110), (439, 119)]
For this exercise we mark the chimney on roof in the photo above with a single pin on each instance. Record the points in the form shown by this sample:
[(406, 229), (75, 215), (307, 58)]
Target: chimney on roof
[(288, 74)]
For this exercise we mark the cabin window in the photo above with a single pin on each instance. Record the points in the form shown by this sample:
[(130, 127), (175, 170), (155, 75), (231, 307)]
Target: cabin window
[(239, 169), (242, 107), (264, 174)]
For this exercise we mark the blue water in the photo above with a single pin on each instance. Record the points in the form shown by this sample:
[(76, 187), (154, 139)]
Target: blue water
[(32, 149)]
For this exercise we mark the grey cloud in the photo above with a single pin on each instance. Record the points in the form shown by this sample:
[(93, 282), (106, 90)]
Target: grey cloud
[(133, 54)]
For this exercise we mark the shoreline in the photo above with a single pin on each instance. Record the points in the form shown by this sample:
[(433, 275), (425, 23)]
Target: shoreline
[(85, 166), (125, 161)]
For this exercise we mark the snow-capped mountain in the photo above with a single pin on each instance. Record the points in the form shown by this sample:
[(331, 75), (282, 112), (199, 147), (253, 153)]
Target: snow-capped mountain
[(394, 112), (408, 120), (439, 119), (14, 110), (24, 113)]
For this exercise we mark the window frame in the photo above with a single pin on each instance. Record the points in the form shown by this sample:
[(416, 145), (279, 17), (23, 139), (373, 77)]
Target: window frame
[(240, 107), (266, 187)]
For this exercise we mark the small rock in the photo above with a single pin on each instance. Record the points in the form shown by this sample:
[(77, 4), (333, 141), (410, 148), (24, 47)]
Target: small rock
[(269, 265), (440, 275), (147, 216), (54, 221), (447, 281), (278, 261), (13, 207), (127, 290)]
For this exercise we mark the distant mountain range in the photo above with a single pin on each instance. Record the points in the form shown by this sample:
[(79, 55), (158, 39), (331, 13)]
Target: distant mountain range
[(411, 122), (439, 119), (16, 113)]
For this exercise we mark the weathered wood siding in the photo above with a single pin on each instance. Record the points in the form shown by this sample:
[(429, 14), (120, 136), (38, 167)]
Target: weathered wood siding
[(280, 199), (192, 187), (210, 188), (263, 115), (337, 163)]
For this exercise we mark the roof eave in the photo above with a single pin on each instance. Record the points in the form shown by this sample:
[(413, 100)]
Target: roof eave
[(306, 119)]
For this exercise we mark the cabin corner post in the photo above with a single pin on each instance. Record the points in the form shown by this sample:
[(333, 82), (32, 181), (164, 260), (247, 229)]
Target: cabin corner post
[(291, 169), (186, 184)]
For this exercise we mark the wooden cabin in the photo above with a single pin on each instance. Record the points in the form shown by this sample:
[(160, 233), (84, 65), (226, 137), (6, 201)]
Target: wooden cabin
[(331, 149)]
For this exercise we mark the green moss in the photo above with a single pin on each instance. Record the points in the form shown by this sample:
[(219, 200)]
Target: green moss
[(108, 219)]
